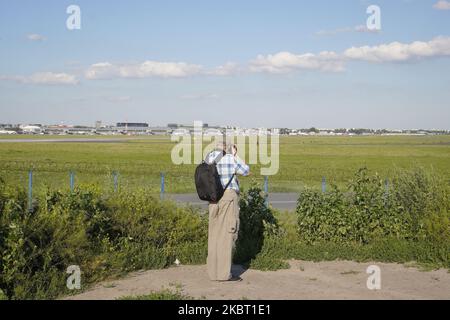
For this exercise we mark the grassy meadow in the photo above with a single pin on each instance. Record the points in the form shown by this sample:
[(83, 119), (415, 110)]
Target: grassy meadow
[(139, 161)]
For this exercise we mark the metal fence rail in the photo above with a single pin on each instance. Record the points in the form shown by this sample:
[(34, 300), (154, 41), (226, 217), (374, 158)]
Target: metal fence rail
[(115, 183)]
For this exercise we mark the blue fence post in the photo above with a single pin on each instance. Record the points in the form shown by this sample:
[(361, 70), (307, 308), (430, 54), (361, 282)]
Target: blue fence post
[(162, 185), (30, 190), (266, 190), (324, 185), (116, 181), (72, 181)]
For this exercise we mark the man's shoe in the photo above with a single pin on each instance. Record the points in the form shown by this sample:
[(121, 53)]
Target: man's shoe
[(235, 279)]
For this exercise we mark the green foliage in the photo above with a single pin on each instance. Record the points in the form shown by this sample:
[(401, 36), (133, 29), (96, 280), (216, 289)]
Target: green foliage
[(414, 206), (256, 223), (3, 295), (165, 294), (406, 222), (152, 234), (426, 198), (273, 254), (103, 234)]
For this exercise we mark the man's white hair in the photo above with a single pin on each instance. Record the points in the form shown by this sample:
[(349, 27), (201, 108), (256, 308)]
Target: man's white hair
[(221, 145), (230, 148)]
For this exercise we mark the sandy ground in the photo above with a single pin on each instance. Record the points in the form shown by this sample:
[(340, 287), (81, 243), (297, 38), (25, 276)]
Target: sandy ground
[(304, 280)]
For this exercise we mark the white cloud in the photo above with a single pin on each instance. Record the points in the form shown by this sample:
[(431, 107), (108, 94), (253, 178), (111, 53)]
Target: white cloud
[(228, 69), (284, 62), (442, 5), (52, 78), (281, 62), (399, 52), (44, 78), (102, 70), (329, 61), (36, 37), (147, 69)]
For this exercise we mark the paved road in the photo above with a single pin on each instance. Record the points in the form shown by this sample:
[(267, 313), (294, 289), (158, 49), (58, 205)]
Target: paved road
[(282, 201)]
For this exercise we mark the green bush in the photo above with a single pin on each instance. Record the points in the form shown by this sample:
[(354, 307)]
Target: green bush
[(257, 222), (273, 254), (107, 235), (425, 197), (152, 234), (415, 206), (276, 251), (104, 235)]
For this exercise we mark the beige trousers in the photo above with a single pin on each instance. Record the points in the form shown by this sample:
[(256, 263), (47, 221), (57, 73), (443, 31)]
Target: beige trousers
[(222, 235)]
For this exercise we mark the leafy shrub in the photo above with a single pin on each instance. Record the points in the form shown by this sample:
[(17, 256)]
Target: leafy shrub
[(257, 222), (426, 198), (162, 232), (107, 234), (39, 245), (103, 234), (414, 207), (273, 254), (424, 253)]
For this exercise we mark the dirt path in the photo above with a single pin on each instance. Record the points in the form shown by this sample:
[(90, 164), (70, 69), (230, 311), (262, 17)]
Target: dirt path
[(304, 280)]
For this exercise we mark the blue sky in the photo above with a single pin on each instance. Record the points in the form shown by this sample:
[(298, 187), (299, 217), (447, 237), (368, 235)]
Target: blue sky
[(252, 63)]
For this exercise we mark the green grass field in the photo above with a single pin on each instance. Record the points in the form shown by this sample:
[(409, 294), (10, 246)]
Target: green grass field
[(303, 161)]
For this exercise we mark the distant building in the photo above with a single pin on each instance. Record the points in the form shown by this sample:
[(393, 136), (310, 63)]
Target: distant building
[(132, 125), (80, 130), (174, 126)]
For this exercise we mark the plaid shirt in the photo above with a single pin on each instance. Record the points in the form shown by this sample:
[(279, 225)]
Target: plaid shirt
[(227, 166)]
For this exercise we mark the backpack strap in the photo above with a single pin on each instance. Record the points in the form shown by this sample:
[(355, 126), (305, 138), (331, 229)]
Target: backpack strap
[(218, 158), (229, 182)]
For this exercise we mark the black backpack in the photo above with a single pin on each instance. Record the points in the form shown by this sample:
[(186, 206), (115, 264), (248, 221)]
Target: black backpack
[(207, 181)]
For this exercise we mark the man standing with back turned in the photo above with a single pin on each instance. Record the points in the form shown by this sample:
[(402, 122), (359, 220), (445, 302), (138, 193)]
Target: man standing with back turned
[(224, 215)]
